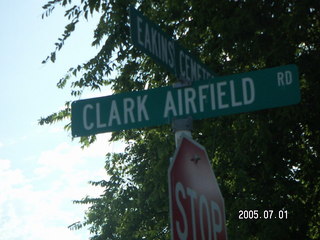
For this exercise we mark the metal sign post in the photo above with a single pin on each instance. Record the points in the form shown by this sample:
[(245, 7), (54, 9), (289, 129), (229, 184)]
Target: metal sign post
[(181, 128)]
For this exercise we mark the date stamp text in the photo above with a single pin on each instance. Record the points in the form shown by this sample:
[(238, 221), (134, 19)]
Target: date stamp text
[(265, 214)]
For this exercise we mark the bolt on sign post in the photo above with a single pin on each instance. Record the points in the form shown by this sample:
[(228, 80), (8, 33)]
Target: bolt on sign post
[(245, 92), (196, 203), (150, 39)]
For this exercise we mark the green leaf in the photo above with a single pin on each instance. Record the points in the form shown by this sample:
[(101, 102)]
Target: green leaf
[(53, 57)]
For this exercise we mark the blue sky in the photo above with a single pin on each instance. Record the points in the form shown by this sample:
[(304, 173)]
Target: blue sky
[(41, 169)]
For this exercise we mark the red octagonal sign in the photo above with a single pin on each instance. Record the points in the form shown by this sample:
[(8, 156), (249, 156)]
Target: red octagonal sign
[(196, 204)]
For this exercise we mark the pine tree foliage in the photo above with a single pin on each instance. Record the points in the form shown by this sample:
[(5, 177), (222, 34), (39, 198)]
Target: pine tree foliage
[(265, 160)]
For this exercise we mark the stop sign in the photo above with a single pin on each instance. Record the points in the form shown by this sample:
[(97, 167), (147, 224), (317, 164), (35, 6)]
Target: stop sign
[(196, 204)]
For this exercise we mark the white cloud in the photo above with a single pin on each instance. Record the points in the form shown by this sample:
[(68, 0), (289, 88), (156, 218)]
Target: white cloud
[(4, 164), (38, 204), (14, 188), (10, 179)]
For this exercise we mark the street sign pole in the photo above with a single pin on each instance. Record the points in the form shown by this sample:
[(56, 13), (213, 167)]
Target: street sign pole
[(181, 128)]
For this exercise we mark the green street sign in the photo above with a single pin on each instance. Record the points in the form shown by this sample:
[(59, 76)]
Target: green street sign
[(245, 92), (150, 39)]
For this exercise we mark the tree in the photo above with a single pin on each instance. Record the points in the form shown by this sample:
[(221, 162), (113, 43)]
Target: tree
[(266, 160)]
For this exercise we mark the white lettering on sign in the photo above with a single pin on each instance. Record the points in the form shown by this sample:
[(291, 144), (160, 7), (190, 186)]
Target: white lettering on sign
[(147, 43), (155, 42), (139, 22), (204, 203), (128, 105), (212, 94), (183, 234), (129, 110), (98, 117), (86, 125), (191, 70), (180, 106), (284, 78), (193, 196), (206, 97), (114, 114), (142, 108), (221, 94), (202, 96), (169, 106), (190, 96), (247, 84), (213, 214), (152, 40), (234, 102)]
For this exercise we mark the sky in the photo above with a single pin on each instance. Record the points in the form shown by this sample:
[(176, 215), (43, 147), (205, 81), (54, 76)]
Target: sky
[(41, 169)]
